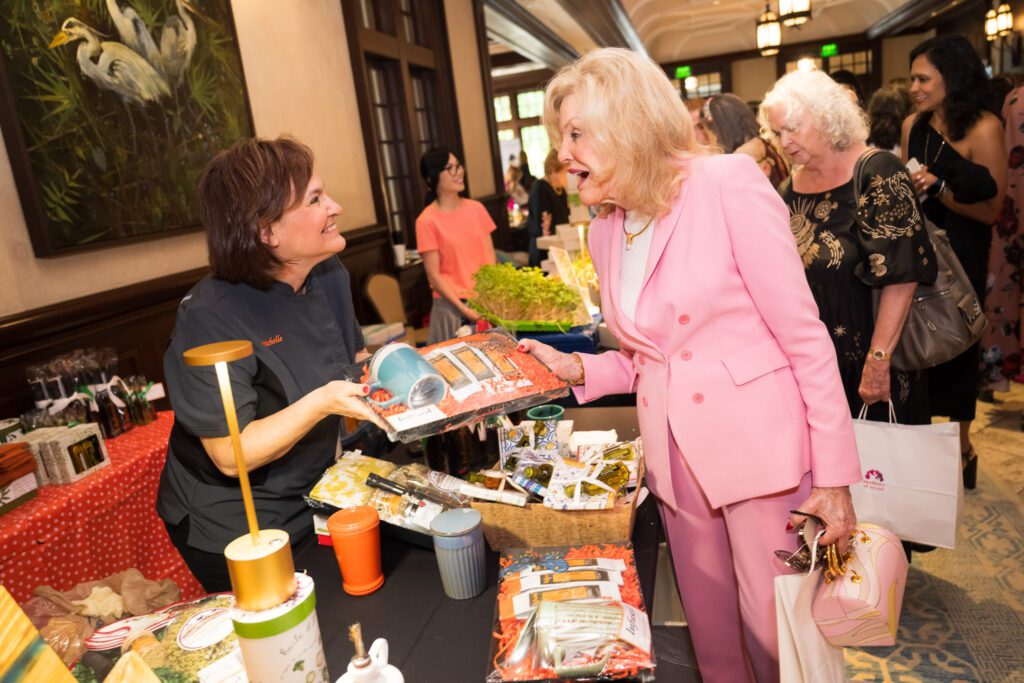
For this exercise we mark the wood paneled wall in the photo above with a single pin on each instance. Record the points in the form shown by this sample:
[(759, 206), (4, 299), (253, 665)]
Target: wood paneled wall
[(137, 320)]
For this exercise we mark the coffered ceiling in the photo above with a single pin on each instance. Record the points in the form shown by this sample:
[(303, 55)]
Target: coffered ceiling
[(678, 30)]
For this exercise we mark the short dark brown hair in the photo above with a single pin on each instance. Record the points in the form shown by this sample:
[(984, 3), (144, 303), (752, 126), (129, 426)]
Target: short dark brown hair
[(242, 191), (886, 110)]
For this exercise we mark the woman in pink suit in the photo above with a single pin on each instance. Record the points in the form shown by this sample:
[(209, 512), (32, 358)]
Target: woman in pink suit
[(740, 403)]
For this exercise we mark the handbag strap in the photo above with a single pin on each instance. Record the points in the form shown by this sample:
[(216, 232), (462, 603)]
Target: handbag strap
[(814, 549), (863, 415), (858, 171)]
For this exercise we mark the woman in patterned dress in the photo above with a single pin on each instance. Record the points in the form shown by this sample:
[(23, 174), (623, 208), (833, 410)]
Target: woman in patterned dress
[(1001, 343), (853, 241)]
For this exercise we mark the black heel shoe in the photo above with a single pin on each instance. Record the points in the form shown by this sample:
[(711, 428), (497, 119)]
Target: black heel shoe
[(970, 470)]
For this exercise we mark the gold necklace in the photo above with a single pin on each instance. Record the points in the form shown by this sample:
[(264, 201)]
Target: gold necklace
[(630, 236), (927, 139)]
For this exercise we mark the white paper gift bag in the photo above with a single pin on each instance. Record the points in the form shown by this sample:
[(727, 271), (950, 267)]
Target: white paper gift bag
[(911, 479), (805, 656)]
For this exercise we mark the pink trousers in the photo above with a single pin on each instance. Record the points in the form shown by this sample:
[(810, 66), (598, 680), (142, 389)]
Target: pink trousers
[(725, 567)]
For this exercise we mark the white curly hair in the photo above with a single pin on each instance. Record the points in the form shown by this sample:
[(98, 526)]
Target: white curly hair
[(828, 104)]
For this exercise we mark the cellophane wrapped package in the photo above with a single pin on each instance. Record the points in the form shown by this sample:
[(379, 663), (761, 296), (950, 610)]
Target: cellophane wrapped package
[(429, 493), (187, 641), (344, 483), (570, 613), (485, 375)]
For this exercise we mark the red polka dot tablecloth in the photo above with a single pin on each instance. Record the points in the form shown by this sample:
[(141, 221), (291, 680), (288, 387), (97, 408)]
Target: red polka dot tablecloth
[(98, 526)]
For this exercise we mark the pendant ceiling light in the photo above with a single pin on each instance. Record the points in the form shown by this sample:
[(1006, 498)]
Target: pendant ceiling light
[(794, 12), (769, 33), (1004, 19), (991, 25)]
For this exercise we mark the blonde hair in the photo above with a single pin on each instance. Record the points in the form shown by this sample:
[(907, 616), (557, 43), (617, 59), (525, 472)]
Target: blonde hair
[(814, 93), (635, 121), (552, 164)]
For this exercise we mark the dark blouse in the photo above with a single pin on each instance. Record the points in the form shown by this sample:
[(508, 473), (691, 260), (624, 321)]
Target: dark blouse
[(970, 183), (954, 385), (848, 251), (543, 198), (300, 342)]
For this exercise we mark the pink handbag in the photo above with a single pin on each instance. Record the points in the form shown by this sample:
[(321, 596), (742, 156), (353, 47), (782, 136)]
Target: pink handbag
[(859, 600)]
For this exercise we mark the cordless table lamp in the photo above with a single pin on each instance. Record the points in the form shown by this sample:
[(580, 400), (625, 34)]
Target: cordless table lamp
[(260, 563)]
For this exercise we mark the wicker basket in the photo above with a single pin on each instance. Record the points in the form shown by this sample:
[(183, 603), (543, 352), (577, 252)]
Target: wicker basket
[(535, 526)]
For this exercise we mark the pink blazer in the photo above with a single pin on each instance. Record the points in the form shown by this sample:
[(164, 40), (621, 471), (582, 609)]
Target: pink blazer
[(727, 354)]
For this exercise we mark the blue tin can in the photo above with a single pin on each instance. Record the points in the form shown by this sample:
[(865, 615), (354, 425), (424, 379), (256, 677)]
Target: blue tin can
[(459, 546)]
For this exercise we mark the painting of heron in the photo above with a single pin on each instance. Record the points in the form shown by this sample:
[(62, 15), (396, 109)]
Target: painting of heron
[(109, 110)]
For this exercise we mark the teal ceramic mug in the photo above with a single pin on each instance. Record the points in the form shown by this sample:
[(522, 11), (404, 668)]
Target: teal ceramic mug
[(548, 411), (409, 378)]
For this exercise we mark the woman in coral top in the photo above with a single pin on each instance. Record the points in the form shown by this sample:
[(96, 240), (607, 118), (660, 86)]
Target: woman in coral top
[(738, 392), (453, 235)]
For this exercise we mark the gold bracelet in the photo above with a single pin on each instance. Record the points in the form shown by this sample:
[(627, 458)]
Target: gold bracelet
[(583, 376)]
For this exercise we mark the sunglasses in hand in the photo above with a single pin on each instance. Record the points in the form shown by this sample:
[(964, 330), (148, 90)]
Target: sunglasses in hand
[(808, 535)]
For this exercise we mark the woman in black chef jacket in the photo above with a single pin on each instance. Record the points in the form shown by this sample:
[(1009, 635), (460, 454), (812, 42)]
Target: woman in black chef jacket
[(276, 281)]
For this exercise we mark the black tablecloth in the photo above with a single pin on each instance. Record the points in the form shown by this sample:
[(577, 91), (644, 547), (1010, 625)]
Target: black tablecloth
[(430, 636), (433, 638)]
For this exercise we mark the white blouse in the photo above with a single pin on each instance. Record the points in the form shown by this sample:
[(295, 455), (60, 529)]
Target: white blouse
[(634, 261)]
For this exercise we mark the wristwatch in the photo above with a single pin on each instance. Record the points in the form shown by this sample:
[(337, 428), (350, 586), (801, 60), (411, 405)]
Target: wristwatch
[(879, 354)]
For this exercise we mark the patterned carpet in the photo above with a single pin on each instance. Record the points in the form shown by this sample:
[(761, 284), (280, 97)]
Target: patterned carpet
[(963, 613)]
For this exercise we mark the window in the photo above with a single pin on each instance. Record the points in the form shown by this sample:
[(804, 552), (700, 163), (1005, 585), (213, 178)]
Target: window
[(377, 16), (406, 100), (794, 64), (412, 13), (536, 145), (855, 62), (424, 102), (530, 104), (519, 119), (503, 109), (704, 85), (392, 143)]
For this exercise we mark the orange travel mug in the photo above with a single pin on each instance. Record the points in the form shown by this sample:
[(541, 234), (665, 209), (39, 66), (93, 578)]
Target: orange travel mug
[(355, 534)]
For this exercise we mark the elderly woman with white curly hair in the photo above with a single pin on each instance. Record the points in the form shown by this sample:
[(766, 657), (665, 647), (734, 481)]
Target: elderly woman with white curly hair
[(853, 241)]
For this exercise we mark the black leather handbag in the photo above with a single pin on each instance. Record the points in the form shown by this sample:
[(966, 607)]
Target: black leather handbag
[(945, 318)]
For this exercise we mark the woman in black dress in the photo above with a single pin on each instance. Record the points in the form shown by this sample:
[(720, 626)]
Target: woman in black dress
[(549, 205), (959, 145), (853, 241)]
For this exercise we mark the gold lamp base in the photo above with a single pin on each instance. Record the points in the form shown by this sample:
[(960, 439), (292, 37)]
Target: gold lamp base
[(262, 573)]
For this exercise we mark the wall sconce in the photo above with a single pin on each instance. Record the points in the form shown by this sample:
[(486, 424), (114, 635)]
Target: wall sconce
[(991, 26), (794, 12), (691, 83), (769, 33)]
